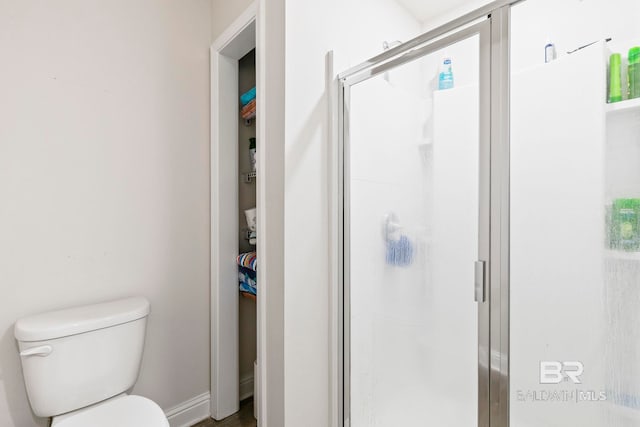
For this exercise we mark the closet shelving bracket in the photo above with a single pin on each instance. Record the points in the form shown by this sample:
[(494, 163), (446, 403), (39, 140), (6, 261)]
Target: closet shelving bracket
[(249, 176)]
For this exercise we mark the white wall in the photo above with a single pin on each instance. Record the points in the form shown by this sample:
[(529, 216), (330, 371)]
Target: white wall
[(104, 177), (270, 64), (557, 234), (355, 30), (454, 13), (224, 12), (575, 266)]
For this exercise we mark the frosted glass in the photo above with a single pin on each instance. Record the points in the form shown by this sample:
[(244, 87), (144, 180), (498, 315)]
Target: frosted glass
[(574, 336), (413, 319)]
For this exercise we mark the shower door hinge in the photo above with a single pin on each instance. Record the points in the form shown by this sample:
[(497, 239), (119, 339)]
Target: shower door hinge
[(479, 280)]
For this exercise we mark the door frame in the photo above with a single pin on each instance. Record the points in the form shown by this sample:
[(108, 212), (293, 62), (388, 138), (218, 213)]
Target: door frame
[(260, 26), (234, 43), (493, 311)]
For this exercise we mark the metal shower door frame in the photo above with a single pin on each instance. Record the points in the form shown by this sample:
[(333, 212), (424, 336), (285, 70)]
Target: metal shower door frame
[(491, 23)]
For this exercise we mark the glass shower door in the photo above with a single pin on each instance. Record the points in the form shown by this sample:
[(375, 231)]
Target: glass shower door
[(575, 203), (416, 223)]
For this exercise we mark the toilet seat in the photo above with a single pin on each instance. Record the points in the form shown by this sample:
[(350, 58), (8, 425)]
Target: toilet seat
[(120, 411)]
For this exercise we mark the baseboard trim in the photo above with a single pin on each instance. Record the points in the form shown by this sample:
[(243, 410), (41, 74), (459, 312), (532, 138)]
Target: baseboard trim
[(190, 412), (246, 388)]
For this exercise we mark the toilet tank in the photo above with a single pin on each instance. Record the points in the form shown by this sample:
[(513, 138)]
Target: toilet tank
[(80, 356)]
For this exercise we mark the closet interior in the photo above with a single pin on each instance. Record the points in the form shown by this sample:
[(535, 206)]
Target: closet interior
[(247, 260)]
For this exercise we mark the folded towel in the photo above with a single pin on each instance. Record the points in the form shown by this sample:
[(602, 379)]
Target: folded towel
[(248, 289), (247, 280), (248, 108), (248, 260), (246, 97), (250, 115)]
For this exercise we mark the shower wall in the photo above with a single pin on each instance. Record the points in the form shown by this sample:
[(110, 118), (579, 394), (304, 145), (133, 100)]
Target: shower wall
[(570, 24), (570, 299), (557, 235)]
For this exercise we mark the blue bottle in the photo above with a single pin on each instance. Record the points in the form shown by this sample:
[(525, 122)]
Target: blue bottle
[(445, 79)]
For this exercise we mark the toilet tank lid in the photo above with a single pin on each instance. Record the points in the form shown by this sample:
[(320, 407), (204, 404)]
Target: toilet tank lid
[(77, 320)]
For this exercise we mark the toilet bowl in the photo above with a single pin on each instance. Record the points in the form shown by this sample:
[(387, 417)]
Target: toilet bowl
[(79, 363)]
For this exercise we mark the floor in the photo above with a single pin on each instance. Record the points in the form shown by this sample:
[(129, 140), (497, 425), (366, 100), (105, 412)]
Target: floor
[(244, 418)]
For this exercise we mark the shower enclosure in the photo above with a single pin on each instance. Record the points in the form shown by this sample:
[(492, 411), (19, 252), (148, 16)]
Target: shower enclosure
[(491, 233)]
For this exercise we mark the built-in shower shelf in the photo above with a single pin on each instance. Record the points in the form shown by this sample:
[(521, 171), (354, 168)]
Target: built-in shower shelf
[(630, 105), (613, 254)]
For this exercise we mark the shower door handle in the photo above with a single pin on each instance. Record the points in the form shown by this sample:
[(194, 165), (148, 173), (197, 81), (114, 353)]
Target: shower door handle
[(479, 280)]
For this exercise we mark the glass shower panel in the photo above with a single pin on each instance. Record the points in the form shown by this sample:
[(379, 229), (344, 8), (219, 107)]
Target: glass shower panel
[(575, 204), (413, 178)]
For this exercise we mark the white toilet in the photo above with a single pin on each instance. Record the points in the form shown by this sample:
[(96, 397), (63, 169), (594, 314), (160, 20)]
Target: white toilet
[(78, 363)]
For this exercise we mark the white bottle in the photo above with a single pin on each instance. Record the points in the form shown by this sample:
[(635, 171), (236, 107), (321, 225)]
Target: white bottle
[(550, 53)]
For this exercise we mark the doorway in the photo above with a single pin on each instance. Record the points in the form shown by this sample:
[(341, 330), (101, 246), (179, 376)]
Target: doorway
[(233, 337)]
